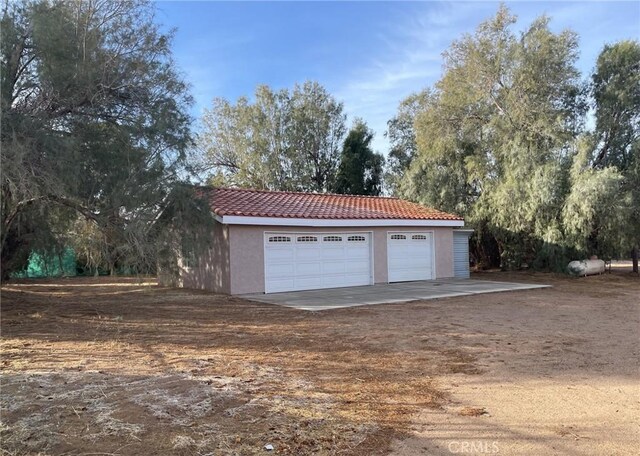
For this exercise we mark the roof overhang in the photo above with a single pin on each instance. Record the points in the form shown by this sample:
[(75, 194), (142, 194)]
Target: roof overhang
[(283, 221)]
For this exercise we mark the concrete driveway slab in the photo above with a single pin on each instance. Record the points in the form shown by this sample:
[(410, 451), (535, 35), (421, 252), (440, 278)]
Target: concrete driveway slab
[(336, 298)]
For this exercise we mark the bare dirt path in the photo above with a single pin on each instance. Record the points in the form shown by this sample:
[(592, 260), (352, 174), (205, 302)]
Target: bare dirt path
[(560, 375), (123, 367)]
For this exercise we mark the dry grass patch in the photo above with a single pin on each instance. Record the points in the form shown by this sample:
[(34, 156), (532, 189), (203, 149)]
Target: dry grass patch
[(99, 366), (145, 370), (473, 411)]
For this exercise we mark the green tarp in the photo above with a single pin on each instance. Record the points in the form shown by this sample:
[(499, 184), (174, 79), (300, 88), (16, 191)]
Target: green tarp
[(41, 265)]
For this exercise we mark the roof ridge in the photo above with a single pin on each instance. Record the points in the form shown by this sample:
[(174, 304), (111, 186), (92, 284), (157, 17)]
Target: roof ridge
[(290, 192)]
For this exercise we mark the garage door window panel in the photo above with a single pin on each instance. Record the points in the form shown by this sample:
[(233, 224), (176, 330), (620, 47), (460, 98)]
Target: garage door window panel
[(275, 239)]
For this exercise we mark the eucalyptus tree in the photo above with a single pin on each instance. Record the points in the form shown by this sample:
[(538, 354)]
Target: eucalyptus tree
[(246, 143), (402, 137), (282, 140), (94, 127), (602, 211), (495, 141), (316, 131), (616, 98)]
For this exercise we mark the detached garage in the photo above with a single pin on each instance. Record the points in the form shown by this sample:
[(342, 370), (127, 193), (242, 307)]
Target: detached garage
[(269, 242)]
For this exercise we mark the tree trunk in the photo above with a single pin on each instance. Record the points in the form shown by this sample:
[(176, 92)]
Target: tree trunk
[(634, 259), (4, 272)]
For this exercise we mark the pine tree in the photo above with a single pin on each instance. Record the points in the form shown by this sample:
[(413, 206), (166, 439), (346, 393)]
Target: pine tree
[(360, 170)]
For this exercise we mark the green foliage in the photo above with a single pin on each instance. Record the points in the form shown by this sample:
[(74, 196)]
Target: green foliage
[(616, 96), (601, 214), (593, 211), (498, 139), (94, 127), (183, 229), (95, 135), (284, 140), (360, 171), (402, 137)]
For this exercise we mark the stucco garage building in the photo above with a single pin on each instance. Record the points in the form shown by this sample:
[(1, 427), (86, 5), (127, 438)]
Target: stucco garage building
[(267, 242)]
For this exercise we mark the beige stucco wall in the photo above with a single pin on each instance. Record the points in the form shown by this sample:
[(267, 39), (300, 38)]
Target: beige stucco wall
[(212, 273), (246, 252)]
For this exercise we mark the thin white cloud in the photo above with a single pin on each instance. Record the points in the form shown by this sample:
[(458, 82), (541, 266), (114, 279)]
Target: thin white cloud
[(410, 60), (407, 56)]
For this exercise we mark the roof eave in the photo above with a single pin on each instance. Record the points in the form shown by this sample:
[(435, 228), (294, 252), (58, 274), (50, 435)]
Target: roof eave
[(311, 222)]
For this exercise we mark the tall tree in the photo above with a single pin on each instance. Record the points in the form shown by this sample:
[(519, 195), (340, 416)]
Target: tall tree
[(494, 142), (284, 140), (316, 132), (246, 143), (360, 171), (94, 126), (616, 96), (402, 137), (602, 210)]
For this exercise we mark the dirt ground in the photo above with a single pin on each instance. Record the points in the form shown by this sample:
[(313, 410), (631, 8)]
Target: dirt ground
[(122, 367)]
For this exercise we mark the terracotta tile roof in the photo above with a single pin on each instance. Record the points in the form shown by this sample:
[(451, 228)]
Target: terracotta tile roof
[(262, 203)]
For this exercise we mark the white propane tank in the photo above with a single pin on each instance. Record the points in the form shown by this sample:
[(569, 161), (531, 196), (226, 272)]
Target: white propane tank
[(586, 267)]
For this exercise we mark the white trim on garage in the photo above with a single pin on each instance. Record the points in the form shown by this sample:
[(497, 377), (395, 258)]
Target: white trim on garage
[(304, 260), (406, 274), (283, 221)]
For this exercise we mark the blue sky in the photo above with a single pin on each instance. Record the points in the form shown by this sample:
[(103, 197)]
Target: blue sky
[(369, 55)]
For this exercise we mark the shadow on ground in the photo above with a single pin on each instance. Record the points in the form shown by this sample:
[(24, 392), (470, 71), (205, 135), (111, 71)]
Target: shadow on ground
[(123, 367)]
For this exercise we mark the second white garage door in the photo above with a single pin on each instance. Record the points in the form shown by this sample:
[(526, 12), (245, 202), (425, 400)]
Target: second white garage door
[(308, 261), (410, 256)]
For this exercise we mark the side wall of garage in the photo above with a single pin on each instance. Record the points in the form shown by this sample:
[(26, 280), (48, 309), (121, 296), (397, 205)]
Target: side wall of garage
[(212, 271), (246, 252)]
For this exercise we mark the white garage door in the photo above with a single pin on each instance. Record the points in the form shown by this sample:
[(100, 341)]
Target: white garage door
[(308, 261), (410, 256)]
